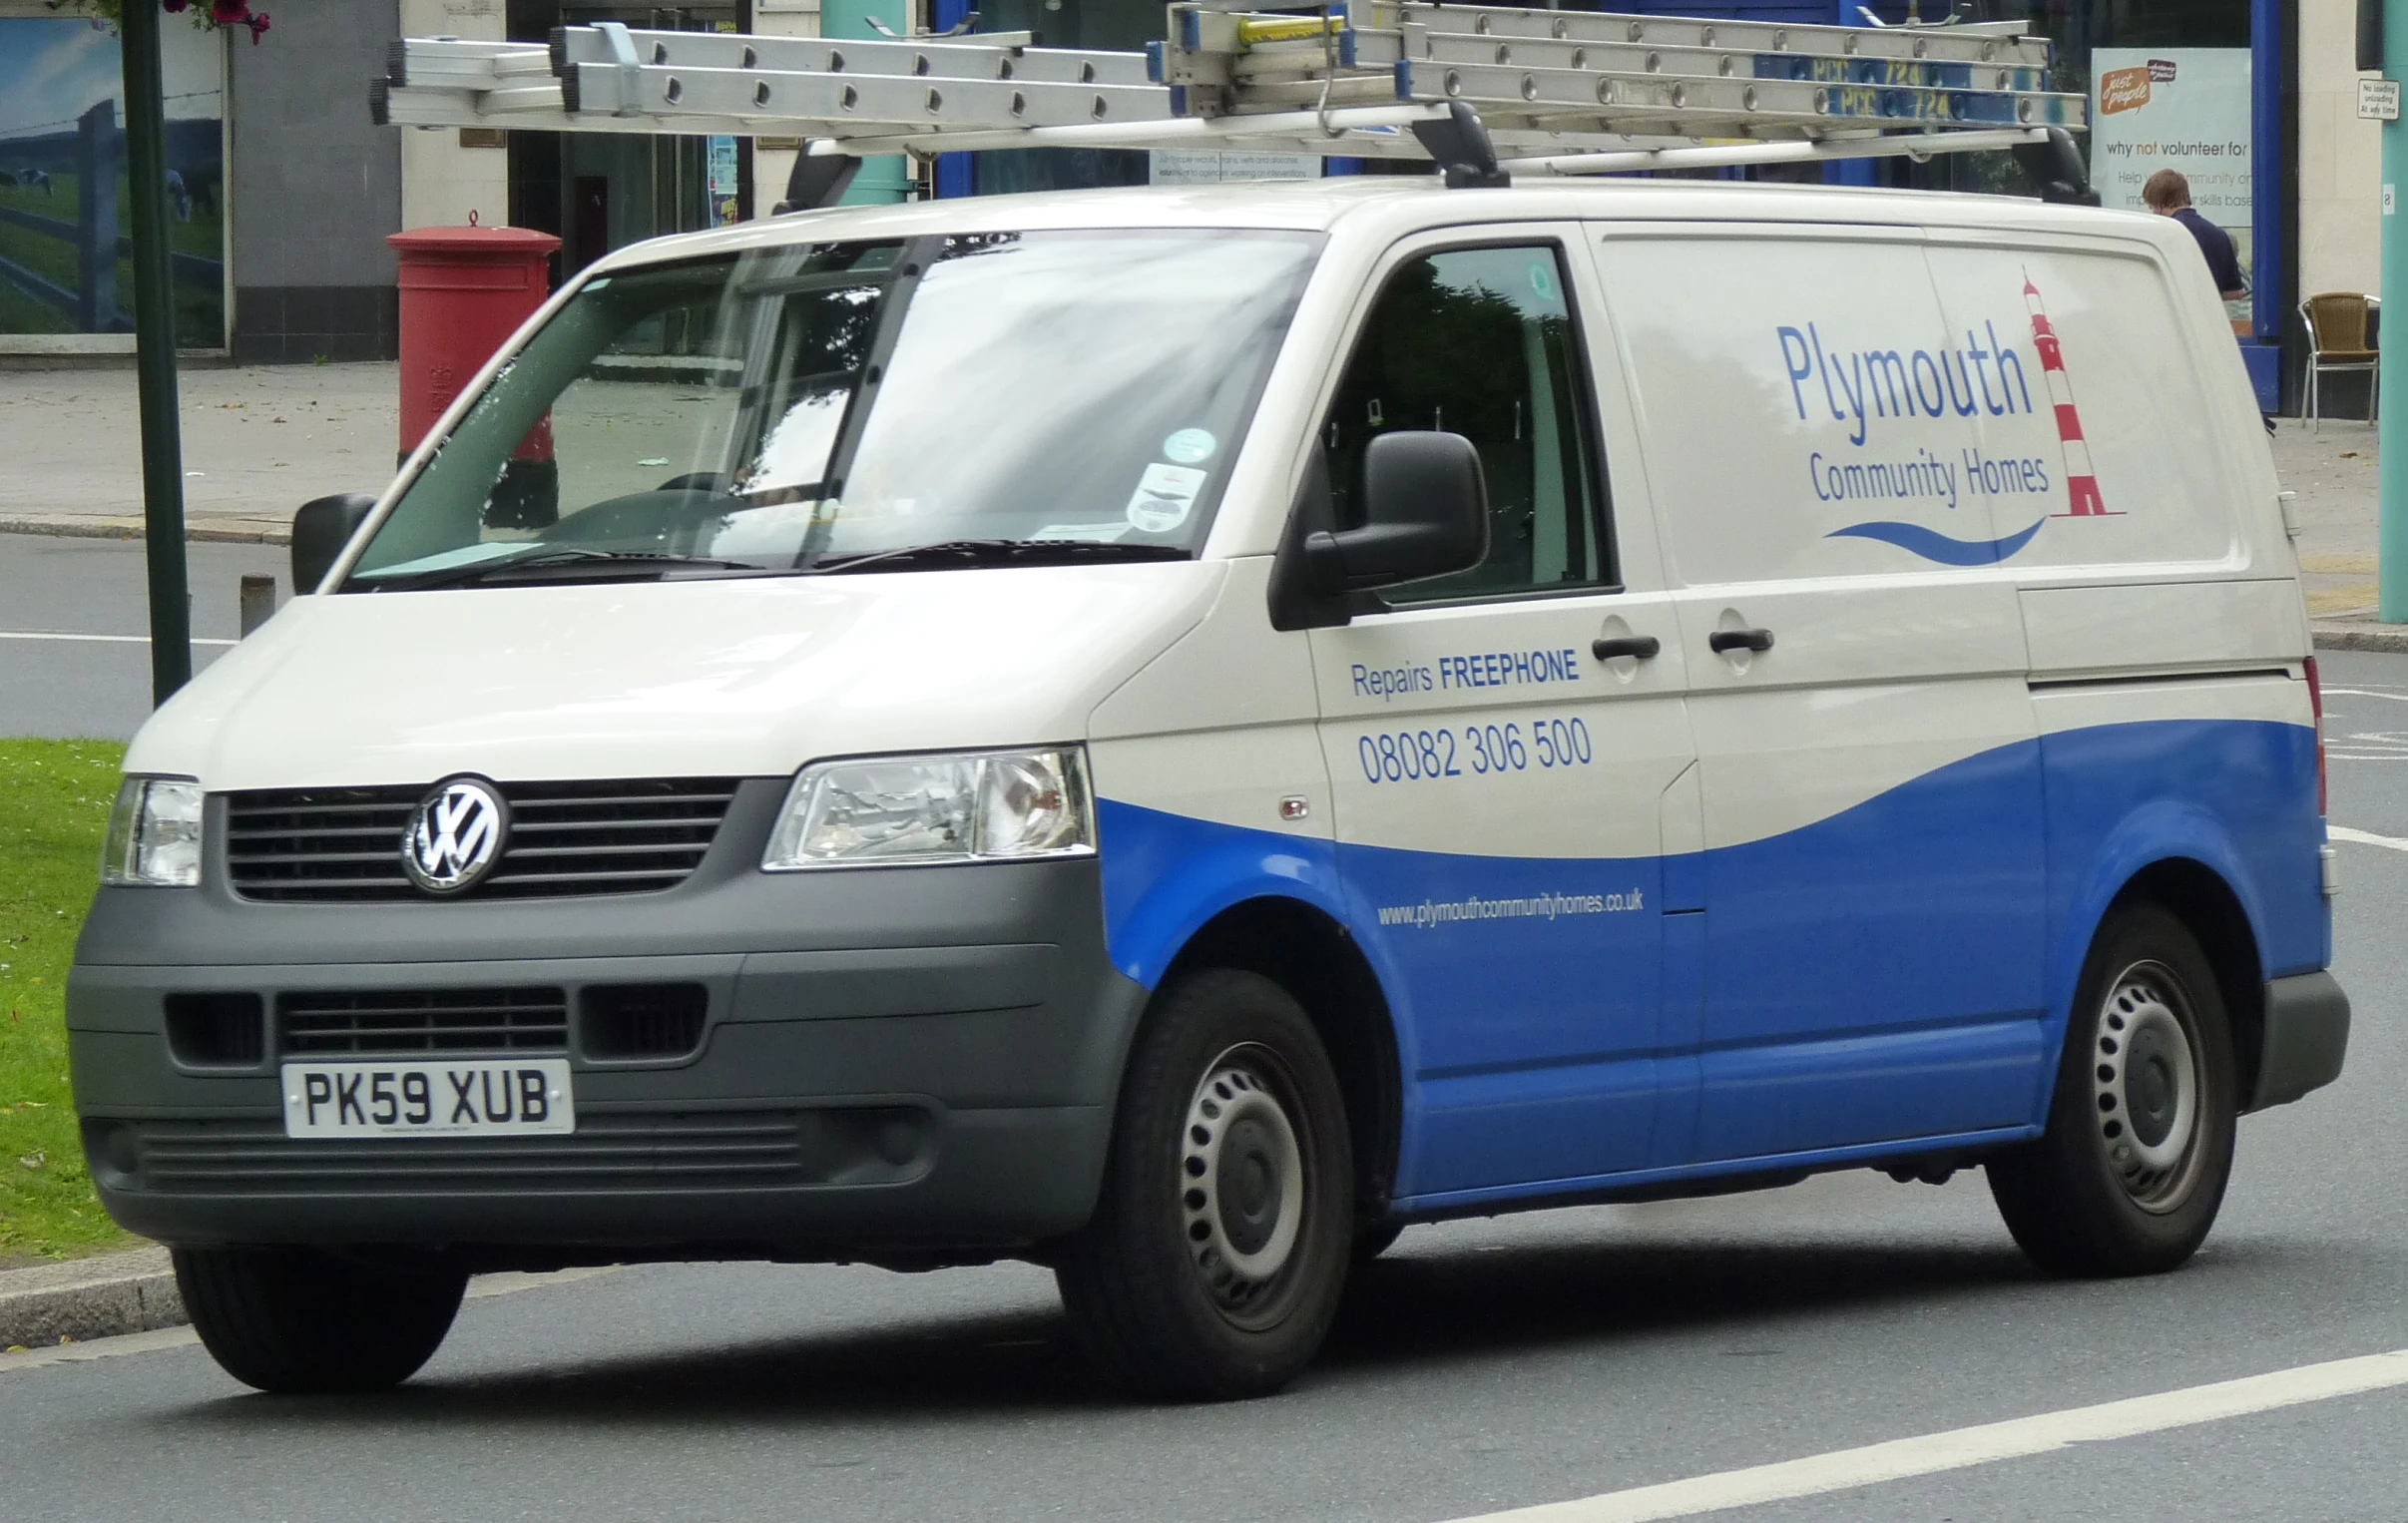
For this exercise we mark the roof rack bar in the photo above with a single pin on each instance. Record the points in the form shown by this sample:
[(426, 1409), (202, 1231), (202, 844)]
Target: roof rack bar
[(1730, 155)]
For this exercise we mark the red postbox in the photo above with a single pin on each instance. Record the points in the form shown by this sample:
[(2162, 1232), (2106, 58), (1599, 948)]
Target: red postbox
[(464, 291)]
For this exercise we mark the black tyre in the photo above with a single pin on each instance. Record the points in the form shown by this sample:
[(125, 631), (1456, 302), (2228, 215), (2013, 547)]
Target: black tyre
[(1213, 1262), (2129, 1175), (301, 1321)]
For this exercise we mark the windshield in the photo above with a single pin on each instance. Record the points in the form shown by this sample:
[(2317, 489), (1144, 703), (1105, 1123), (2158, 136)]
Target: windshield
[(996, 398)]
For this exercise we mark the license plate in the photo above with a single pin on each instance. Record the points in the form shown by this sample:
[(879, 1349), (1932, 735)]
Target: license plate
[(493, 1097)]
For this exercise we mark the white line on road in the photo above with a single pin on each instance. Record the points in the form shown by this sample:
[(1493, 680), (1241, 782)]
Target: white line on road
[(1961, 1448), (97, 639), (2365, 837)]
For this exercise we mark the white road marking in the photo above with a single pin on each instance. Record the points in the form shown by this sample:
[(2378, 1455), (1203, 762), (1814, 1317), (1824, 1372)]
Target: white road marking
[(483, 1287), (2397, 698), (1962, 1449), (2365, 837), (96, 639)]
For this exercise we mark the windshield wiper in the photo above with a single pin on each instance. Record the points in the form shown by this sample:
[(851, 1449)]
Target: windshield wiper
[(577, 561), (964, 554)]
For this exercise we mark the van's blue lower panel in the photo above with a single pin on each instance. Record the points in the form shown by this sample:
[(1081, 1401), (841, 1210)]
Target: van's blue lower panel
[(1898, 973)]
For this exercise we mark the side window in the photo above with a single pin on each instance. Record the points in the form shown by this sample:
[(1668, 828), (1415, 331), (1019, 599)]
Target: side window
[(1481, 342)]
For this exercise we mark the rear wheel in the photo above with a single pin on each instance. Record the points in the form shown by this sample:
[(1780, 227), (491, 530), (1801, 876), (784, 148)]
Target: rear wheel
[(298, 1320), (2131, 1170), (1213, 1265)]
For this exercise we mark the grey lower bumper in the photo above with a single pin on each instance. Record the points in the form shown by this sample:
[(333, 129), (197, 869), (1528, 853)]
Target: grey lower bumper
[(847, 1097), (2307, 1038)]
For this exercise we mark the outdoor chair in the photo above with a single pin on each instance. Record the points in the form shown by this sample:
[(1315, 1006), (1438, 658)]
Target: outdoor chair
[(2340, 339)]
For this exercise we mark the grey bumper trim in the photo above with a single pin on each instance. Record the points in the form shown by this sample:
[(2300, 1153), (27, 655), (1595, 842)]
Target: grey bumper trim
[(2307, 1038), (907, 1055)]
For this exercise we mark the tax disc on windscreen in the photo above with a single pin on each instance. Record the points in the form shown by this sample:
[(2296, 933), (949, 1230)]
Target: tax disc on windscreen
[(1188, 446)]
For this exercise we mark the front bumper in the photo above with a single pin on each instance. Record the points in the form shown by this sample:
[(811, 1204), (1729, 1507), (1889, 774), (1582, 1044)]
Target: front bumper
[(892, 1060)]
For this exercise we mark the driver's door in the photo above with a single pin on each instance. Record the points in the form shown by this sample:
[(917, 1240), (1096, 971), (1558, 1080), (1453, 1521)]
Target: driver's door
[(1500, 788)]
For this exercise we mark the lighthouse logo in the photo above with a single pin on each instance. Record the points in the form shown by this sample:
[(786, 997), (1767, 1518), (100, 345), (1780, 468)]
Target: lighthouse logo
[(2082, 484), (2009, 471)]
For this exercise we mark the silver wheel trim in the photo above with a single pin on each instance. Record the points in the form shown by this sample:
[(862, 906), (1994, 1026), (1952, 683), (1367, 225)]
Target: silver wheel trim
[(2145, 1007), (1232, 1090)]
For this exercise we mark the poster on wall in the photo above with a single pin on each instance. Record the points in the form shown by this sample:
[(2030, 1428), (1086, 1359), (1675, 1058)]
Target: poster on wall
[(722, 175), (65, 228), (2184, 108)]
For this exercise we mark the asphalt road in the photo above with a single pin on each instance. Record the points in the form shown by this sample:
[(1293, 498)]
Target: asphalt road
[(86, 686), (1480, 1366)]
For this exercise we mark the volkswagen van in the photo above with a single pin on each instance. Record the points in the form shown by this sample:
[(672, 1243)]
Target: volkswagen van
[(1170, 734)]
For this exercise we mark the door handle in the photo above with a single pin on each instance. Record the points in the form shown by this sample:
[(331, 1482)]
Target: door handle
[(1641, 646), (1722, 641)]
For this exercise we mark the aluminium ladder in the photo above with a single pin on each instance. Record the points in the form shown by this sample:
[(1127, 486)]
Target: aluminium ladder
[(1482, 89)]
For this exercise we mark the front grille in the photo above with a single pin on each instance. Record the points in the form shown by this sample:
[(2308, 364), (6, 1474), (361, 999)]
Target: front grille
[(565, 838), (607, 1151), (425, 1020)]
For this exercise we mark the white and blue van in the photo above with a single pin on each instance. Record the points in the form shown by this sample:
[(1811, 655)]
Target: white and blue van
[(1172, 732)]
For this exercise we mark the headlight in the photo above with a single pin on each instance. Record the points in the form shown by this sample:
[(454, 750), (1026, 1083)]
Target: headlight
[(154, 834), (1004, 805)]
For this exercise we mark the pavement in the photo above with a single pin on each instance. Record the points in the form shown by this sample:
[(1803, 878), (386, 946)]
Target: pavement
[(108, 1295), (259, 441)]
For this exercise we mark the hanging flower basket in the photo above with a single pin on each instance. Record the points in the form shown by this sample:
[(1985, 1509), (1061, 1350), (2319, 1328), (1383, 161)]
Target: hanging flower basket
[(207, 15)]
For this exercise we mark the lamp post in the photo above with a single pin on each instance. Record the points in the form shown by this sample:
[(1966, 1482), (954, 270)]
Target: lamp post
[(155, 351), (2383, 44)]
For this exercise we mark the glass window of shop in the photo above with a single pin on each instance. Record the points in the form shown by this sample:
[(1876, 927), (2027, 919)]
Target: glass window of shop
[(1120, 25), (599, 190)]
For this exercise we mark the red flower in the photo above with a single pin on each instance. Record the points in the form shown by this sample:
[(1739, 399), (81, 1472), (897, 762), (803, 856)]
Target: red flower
[(230, 12), (172, 7), (258, 27)]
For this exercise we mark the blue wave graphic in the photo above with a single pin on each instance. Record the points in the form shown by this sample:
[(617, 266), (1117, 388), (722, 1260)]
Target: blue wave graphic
[(1935, 546)]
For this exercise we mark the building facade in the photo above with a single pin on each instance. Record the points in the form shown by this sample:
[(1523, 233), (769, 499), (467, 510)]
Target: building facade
[(287, 191)]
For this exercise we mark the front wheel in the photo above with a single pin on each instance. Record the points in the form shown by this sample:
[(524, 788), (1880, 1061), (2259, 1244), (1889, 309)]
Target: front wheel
[(2128, 1178), (1213, 1264), (302, 1320)]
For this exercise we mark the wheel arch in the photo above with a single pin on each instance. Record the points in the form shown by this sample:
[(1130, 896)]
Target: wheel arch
[(1307, 952), (2205, 902), (2213, 909)]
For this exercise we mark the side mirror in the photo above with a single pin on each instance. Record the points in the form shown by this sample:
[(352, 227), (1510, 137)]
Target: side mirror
[(1425, 504), (320, 530)]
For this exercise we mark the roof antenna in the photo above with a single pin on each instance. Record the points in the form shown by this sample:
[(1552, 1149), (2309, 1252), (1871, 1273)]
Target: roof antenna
[(1459, 143)]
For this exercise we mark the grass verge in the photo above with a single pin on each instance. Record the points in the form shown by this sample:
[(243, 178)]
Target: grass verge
[(54, 809)]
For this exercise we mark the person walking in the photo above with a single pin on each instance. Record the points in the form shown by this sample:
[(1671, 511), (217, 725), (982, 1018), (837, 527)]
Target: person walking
[(2168, 193)]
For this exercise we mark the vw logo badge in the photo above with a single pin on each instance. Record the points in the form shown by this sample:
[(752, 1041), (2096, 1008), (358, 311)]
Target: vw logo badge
[(455, 835)]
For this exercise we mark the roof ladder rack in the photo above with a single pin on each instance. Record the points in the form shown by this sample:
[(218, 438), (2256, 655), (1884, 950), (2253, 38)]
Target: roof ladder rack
[(1484, 91)]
